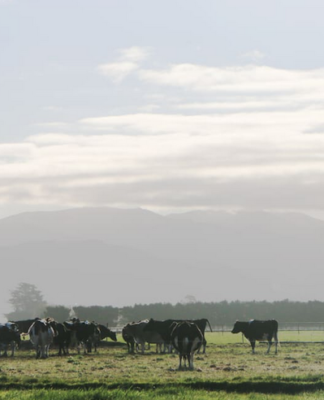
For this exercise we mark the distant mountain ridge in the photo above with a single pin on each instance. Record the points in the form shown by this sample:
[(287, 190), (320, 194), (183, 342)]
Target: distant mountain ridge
[(119, 257)]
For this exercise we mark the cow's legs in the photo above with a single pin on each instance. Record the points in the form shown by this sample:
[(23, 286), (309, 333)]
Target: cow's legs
[(269, 346), (190, 358), (180, 362), (13, 346), (184, 361), (38, 352), (253, 346), (276, 342), (140, 345), (204, 345)]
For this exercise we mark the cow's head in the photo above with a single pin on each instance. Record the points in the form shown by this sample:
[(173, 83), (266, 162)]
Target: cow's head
[(237, 327), (12, 326)]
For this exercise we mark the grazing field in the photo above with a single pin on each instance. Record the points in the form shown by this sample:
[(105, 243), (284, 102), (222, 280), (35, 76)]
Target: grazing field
[(227, 371)]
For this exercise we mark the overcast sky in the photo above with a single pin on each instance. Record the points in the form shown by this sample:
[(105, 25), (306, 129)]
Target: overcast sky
[(166, 105)]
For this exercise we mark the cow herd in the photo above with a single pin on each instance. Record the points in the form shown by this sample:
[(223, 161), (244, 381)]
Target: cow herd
[(186, 337), (45, 332)]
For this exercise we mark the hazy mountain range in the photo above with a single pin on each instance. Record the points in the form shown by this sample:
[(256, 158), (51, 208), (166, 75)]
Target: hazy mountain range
[(105, 256)]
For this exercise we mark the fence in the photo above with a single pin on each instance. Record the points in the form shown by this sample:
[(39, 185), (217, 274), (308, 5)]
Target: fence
[(289, 332)]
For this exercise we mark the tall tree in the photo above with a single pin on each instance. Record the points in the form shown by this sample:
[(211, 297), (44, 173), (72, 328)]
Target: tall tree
[(27, 302)]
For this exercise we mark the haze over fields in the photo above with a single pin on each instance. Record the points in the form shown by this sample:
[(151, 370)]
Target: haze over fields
[(153, 150), (106, 256)]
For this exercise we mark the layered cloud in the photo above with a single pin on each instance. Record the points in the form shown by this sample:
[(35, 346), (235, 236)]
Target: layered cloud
[(188, 162), (245, 136), (250, 79)]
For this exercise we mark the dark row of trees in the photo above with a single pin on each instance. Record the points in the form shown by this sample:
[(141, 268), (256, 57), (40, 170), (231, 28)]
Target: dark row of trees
[(226, 313), (28, 302)]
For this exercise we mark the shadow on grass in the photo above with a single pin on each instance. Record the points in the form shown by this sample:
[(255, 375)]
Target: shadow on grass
[(273, 387)]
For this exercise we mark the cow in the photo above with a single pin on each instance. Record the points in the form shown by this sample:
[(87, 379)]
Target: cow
[(164, 328), (140, 336), (128, 338), (107, 333), (62, 337), (25, 324), (258, 330), (41, 335), (202, 324), (86, 334), (9, 336), (104, 333), (186, 338)]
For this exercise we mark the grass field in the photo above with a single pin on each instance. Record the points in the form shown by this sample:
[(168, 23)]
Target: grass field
[(227, 371)]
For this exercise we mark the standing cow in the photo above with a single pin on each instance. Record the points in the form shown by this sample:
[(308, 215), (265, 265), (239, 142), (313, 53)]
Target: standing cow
[(62, 337), (104, 333), (136, 331), (258, 330), (187, 338), (202, 324), (129, 339), (41, 334), (85, 334), (9, 337)]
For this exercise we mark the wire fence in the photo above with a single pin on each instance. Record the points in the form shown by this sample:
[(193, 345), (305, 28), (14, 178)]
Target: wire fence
[(289, 332)]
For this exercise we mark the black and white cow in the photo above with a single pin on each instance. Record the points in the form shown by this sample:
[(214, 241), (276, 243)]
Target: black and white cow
[(107, 333), (202, 324), (62, 337), (9, 337), (86, 334), (187, 338), (41, 335), (136, 331), (163, 329), (258, 330), (24, 325), (129, 339)]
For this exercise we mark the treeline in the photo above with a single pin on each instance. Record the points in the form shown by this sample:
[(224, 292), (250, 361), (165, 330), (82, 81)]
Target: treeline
[(219, 314)]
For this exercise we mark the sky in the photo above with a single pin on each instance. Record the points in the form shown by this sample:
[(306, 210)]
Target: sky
[(170, 106)]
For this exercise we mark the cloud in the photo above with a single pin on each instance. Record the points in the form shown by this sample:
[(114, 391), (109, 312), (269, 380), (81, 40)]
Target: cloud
[(134, 54), (169, 161), (128, 62), (206, 137), (249, 79), (316, 129), (254, 56), (118, 71)]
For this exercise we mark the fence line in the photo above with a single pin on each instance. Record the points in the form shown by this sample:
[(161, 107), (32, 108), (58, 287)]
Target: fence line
[(283, 326)]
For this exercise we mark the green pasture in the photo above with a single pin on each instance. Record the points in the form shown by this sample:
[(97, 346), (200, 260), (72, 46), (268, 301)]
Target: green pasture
[(227, 371)]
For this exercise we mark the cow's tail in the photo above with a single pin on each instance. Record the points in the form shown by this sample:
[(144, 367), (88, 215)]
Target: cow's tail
[(209, 325)]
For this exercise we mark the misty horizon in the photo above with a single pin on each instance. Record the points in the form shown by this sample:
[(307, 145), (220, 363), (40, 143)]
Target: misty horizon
[(119, 257)]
